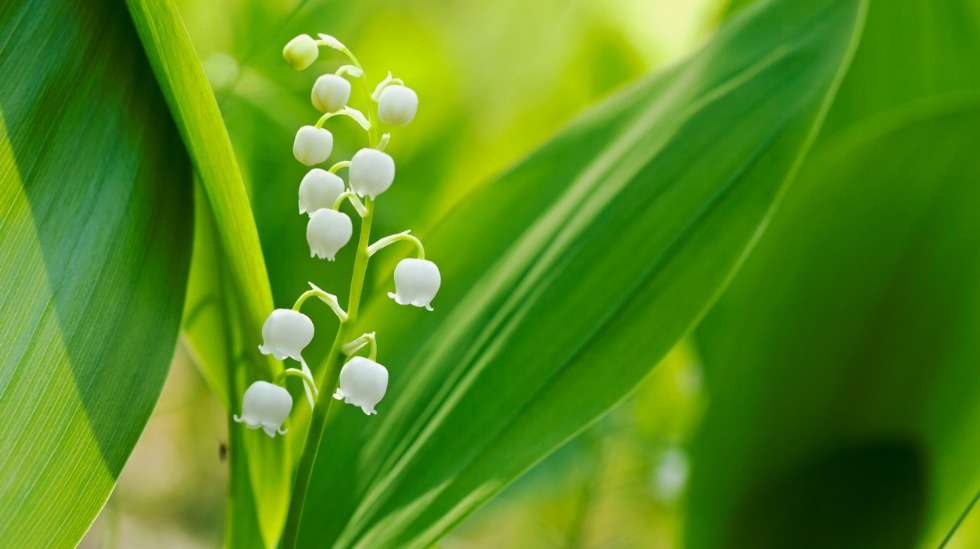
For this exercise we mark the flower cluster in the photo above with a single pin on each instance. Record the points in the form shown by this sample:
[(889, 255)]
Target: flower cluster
[(361, 381)]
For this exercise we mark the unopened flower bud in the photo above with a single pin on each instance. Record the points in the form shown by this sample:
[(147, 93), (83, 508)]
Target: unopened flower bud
[(312, 145), (330, 93), (363, 383), (319, 189), (371, 172), (397, 105), (327, 232), (285, 334), (416, 282), (301, 52), (267, 406)]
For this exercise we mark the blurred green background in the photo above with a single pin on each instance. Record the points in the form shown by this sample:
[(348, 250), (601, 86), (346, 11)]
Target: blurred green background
[(495, 80)]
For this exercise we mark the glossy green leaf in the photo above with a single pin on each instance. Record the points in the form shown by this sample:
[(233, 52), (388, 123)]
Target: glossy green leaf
[(95, 234), (229, 296), (855, 318), (569, 277)]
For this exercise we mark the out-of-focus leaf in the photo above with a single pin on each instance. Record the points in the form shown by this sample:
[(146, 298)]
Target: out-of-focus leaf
[(230, 273), (568, 278), (911, 49), (855, 319), (95, 234), (211, 329), (911, 53)]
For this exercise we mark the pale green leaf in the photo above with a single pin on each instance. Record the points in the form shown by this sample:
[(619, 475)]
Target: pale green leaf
[(230, 295)]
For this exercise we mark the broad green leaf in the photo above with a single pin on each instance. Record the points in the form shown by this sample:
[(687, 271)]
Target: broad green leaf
[(912, 52), (855, 319), (194, 108), (912, 49), (569, 277), (229, 296), (95, 234)]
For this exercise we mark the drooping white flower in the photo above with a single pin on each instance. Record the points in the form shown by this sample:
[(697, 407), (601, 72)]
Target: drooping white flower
[(330, 93), (267, 406), (416, 282), (301, 52), (397, 105), (319, 189), (327, 232), (285, 334), (312, 145), (363, 383), (371, 172)]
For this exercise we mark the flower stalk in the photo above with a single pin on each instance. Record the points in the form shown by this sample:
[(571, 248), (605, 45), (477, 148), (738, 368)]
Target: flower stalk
[(391, 239), (344, 374), (328, 386)]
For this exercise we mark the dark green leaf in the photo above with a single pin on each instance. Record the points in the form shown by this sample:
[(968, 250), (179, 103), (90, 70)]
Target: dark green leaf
[(95, 233), (914, 56), (855, 320)]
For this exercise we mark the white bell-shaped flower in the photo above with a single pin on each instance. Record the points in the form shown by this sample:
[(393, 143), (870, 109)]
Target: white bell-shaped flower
[(319, 189), (397, 105), (301, 52), (327, 232), (312, 145), (416, 282), (267, 406), (363, 383), (371, 172), (285, 334), (330, 93)]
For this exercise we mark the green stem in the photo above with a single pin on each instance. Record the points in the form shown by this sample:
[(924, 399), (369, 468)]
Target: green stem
[(354, 201), (367, 340), (329, 299), (328, 384), (389, 240), (333, 362)]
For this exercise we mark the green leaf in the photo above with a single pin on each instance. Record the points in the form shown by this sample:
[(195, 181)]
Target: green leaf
[(95, 218), (913, 57), (229, 297), (855, 319), (569, 277), (912, 49)]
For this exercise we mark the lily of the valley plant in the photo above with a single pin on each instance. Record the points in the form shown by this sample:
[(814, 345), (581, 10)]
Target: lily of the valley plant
[(345, 375)]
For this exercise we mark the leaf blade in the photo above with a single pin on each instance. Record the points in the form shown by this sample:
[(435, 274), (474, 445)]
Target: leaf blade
[(860, 337), (231, 349), (93, 259), (481, 385)]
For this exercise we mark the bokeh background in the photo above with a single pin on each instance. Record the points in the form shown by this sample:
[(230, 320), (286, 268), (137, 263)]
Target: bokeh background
[(495, 80)]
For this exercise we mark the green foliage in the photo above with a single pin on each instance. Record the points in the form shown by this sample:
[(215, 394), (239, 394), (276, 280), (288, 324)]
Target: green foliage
[(96, 230), (568, 278), (229, 296), (842, 396), (854, 317), (874, 377)]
